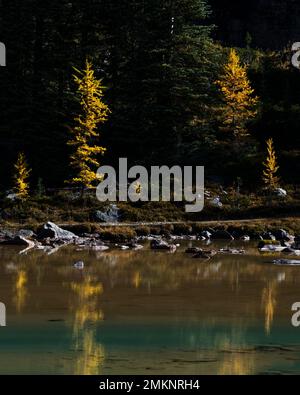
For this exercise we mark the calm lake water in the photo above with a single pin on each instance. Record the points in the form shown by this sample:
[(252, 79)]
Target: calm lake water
[(145, 312)]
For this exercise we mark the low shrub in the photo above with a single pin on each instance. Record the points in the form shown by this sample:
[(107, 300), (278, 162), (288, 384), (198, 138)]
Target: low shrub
[(182, 229), (197, 228), (167, 229), (117, 234), (143, 230), (155, 230), (79, 229)]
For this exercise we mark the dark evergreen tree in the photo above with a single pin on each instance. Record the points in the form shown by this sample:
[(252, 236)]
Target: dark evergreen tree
[(161, 65)]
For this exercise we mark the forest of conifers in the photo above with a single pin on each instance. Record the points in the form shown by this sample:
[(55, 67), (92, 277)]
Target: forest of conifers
[(159, 61)]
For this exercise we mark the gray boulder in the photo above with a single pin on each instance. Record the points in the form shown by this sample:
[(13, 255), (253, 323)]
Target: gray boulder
[(268, 236), (52, 231), (79, 265), (296, 243), (282, 235), (205, 234), (12, 196), (216, 202), (112, 214), (280, 192), (134, 246), (162, 245), (26, 233), (6, 234), (245, 238)]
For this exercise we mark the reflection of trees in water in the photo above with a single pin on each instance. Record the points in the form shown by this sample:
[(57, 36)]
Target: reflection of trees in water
[(174, 272), (137, 279), (151, 270), (87, 315), (23, 269), (92, 355), (269, 295), (237, 363), (171, 271), (237, 359), (20, 290)]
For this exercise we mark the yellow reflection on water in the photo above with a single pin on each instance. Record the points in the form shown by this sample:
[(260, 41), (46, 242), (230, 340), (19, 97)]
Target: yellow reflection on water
[(87, 314), (237, 364), (269, 303), (238, 359), (83, 315), (137, 279), (87, 289), (92, 356), (20, 290)]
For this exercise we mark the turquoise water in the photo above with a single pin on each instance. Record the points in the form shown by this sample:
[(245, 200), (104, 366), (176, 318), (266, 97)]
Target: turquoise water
[(145, 312)]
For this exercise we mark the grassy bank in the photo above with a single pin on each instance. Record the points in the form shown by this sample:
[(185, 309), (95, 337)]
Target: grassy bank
[(124, 232), (246, 214), (238, 228)]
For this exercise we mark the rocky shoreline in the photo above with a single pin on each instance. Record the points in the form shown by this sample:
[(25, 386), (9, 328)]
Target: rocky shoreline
[(49, 237)]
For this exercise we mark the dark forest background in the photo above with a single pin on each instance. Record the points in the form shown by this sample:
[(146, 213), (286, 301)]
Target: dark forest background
[(159, 74)]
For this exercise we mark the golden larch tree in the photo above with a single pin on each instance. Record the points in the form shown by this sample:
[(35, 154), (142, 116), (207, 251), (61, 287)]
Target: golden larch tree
[(240, 104), (94, 112), (270, 178), (22, 172)]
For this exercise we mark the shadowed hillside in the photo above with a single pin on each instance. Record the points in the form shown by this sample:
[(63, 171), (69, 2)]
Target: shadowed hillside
[(271, 23)]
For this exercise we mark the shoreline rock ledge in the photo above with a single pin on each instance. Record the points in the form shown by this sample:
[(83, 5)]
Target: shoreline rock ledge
[(52, 231)]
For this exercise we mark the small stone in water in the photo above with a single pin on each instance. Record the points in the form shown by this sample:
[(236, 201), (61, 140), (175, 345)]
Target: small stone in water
[(79, 265)]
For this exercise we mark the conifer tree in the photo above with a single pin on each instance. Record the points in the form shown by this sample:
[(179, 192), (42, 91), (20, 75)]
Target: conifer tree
[(161, 95), (271, 167), (21, 176), (85, 134), (240, 104)]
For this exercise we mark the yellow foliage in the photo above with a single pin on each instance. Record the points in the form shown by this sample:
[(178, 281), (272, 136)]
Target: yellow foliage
[(271, 168), (240, 104), (22, 172), (94, 113)]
